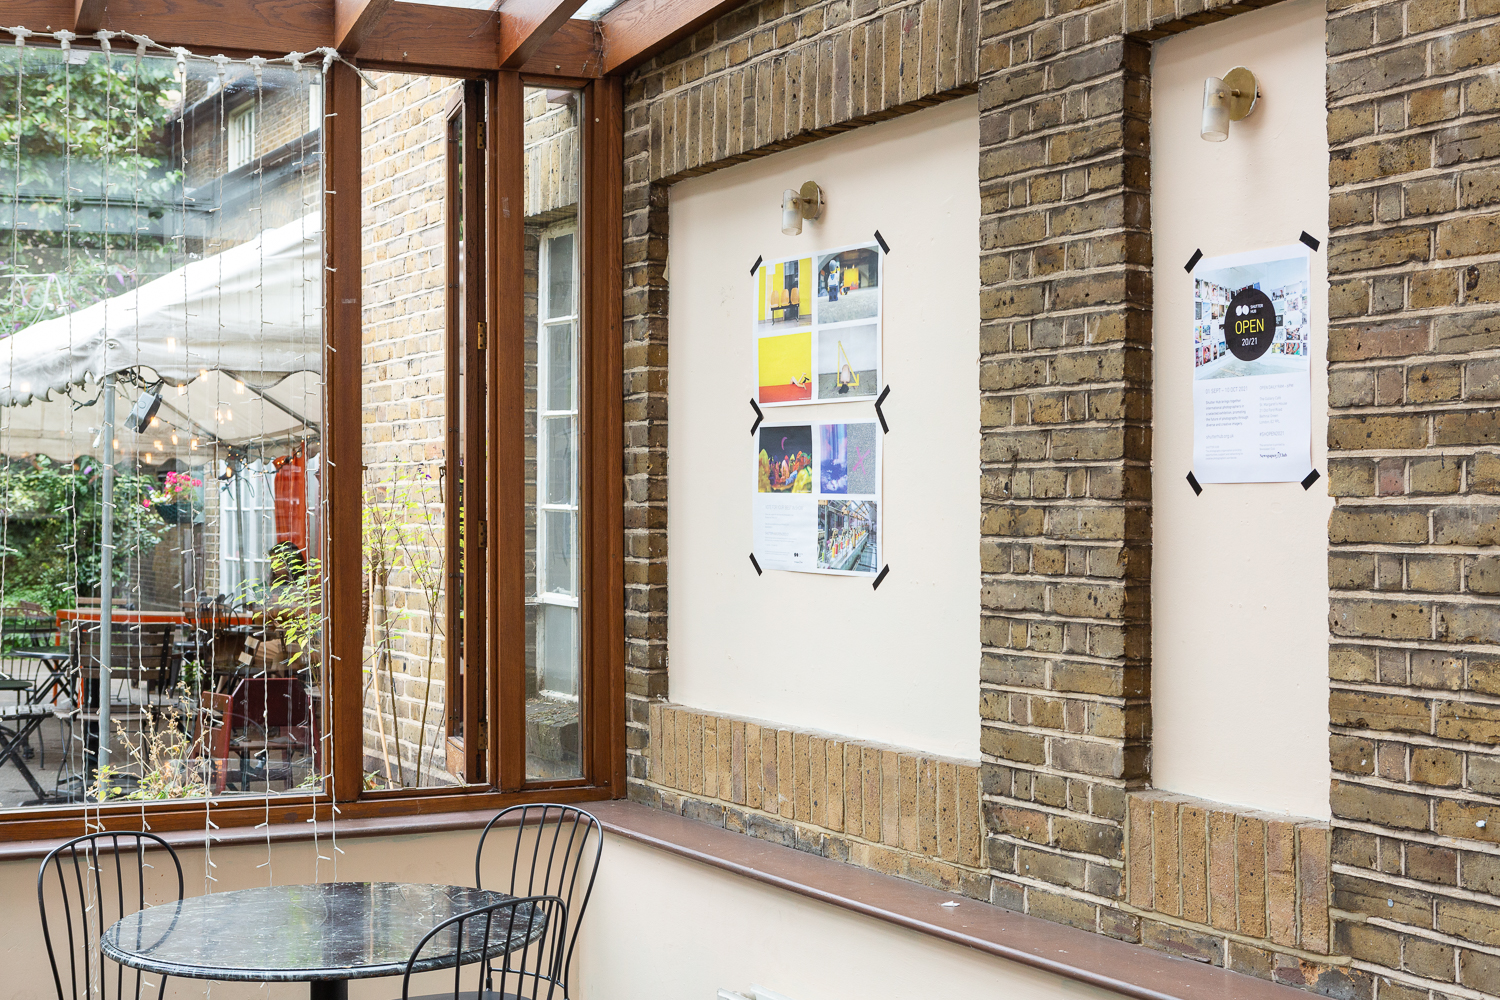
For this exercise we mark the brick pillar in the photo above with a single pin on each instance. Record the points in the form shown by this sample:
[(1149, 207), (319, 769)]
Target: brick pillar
[(1065, 382), (1414, 376)]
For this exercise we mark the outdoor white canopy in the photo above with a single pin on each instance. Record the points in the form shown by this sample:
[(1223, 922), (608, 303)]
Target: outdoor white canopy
[(255, 311)]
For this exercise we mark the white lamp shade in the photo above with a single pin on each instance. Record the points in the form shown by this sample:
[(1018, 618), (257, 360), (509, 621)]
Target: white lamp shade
[(1215, 110), (791, 213)]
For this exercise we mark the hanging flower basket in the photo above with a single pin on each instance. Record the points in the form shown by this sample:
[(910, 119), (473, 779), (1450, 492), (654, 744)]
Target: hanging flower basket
[(174, 502)]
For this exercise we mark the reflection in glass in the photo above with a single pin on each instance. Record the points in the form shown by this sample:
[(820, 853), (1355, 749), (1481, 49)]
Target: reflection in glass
[(553, 659), (410, 427), (160, 427)]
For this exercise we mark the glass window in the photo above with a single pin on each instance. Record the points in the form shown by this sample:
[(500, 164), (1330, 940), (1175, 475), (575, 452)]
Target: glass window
[(553, 665)]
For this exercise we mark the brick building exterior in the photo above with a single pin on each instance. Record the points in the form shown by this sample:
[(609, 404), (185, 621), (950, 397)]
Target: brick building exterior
[(1397, 897)]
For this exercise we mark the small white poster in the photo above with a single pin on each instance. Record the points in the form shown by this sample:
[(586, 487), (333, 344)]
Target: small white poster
[(1252, 394), (817, 497), (817, 327)]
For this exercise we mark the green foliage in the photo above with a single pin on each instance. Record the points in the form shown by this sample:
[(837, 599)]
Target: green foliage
[(51, 534), (74, 137)]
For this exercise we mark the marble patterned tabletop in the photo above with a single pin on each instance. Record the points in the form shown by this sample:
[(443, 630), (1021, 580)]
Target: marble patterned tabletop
[(308, 933)]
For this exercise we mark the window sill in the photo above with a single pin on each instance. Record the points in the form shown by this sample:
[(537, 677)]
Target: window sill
[(1126, 969)]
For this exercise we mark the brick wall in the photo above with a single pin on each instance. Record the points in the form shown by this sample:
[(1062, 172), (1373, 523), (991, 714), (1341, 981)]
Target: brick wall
[(404, 289), (1414, 846), (1414, 379)]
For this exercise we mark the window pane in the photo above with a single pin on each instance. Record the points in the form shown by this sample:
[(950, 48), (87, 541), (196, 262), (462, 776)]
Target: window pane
[(560, 366), (560, 463), (560, 290), (125, 190), (553, 653), (560, 531), (412, 422)]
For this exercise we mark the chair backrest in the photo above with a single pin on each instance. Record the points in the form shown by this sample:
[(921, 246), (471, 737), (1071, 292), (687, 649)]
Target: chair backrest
[(213, 737), (556, 854), (141, 651), (93, 881), (518, 941), (270, 701)]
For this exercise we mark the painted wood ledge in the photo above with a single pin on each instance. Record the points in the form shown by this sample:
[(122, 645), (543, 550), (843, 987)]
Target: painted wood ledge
[(1126, 969)]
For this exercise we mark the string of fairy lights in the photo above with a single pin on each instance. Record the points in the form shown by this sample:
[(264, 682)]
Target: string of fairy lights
[(307, 69)]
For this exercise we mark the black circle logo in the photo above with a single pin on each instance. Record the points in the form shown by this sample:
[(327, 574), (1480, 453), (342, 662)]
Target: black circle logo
[(1249, 324)]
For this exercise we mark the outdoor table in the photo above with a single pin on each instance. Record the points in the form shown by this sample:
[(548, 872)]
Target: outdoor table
[(324, 934)]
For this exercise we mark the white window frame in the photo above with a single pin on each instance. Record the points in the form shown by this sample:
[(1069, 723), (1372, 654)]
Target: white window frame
[(544, 323), (241, 140)]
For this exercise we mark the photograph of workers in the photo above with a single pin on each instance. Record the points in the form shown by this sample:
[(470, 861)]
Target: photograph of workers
[(847, 537)]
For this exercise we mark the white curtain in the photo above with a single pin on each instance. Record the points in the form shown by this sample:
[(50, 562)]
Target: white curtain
[(247, 530)]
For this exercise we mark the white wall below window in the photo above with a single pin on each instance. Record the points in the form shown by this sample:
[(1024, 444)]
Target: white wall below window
[(900, 664), (1239, 586), (662, 928)]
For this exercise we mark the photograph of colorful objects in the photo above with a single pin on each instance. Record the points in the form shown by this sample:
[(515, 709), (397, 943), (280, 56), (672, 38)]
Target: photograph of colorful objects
[(783, 295), (786, 459), (785, 368), (849, 285)]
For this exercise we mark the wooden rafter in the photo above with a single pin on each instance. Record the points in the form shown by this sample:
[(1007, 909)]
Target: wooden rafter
[(636, 30), (353, 21), (88, 16), (525, 25)]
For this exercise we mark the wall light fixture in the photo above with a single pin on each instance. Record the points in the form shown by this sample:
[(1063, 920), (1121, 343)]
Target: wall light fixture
[(1227, 100), (799, 205)]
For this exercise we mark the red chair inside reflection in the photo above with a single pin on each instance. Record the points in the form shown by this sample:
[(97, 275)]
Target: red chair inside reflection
[(269, 715)]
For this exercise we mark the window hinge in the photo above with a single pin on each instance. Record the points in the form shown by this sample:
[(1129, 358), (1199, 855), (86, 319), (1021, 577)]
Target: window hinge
[(484, 534), (484, 737), (479, 134), (483, 329)]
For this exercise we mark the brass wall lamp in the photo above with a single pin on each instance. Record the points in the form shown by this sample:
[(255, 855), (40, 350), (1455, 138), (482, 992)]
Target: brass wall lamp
[(1228, 100), (798, 205)]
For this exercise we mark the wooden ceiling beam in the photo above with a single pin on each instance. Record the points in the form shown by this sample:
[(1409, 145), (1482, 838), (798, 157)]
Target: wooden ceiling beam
[(88, 16), (526, 25), (636, 30), (353, 22), (574, 50)]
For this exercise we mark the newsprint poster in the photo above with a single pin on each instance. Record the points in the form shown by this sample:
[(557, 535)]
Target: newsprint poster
[(817, 497), (1252, 395), (817, 327)]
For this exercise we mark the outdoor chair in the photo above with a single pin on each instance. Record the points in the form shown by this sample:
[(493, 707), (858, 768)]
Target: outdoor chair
[(556, 846), (143, 667), (83, 887), (275, 714), (531, 967)]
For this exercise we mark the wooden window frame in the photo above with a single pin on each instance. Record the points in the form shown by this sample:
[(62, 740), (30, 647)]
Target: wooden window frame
[(499, 624)]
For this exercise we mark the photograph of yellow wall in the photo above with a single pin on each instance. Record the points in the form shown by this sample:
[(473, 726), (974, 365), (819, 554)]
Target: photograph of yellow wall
[(783, 293), (784, 366)]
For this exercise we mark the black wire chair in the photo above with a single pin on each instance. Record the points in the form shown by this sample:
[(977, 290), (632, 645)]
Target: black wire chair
[(517, 941), (554, 864), (82, 869)]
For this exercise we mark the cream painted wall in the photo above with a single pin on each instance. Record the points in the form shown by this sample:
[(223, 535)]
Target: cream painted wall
[(697, 929), (1239, 591), (900, 664)]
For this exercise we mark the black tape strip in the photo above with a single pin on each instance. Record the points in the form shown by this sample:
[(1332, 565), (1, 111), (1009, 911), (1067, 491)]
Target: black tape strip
[(881, 578), (1312, 477), (758, 571), (881, 240), (759, 416), (1193, 482), (884, 427), (1193, 261), (1310, 240), (756, 266)]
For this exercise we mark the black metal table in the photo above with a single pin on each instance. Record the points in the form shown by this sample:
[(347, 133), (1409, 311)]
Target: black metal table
[(323, 934)]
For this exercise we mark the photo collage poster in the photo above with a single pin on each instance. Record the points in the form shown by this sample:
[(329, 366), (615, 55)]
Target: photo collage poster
[(817, 497), (817, 327), (1252, 389)]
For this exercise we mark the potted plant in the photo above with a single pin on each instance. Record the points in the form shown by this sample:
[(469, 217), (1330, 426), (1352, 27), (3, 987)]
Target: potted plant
[(175, 501)]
